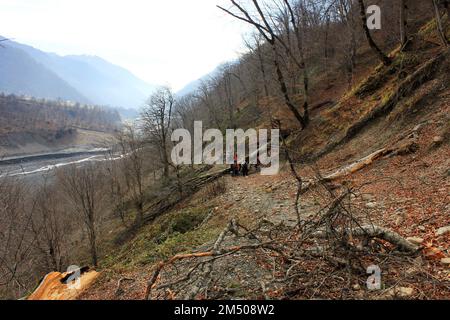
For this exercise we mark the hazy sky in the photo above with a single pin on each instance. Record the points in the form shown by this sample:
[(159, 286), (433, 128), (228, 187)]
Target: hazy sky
[(161, 41)]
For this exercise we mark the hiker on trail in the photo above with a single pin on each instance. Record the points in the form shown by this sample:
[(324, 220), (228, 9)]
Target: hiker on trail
[(245, 169), (258, 163), (236, 167)]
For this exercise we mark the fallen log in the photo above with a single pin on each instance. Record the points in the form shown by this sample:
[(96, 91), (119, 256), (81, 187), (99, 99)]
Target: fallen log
[(356, 166), (401, 147), (169, 197), (347, 170), (371, 231)]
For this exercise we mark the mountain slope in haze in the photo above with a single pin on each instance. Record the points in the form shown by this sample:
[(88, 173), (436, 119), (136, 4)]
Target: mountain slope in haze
[(21, 74), (99, 81), (193, 86)]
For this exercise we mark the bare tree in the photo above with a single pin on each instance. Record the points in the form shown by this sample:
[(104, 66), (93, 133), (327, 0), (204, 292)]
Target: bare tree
[(156, 118), (267, 30), (118, 188), (83, 188), (298, 24), (132, 168), (16, 244), (439, 26), (225, 84), (48, 226), (345, 10), (383, 58), (257, 48), (204, 95), (403, 24)]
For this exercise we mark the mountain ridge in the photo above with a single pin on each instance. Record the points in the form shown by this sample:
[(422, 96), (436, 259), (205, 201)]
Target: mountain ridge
[(82, 78)]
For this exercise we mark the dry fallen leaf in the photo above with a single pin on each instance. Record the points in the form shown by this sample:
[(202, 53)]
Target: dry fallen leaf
[(432, 253)]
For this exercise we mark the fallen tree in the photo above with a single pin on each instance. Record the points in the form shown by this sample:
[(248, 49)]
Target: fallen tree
[(372, 231), (168, 197), (405, 144)]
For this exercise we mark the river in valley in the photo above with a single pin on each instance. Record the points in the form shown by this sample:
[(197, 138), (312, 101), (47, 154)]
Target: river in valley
[(38, 165)]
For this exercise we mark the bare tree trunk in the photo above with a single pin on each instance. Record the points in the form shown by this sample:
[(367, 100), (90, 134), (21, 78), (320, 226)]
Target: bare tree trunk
[(383, 58), (347, 16), (447, 8), (284, 90), (300, 36), (403, 24), (439, 26), (352, 57), (327, 29), (263, 72), (140, 212), (166, 162), (93, 245), (300, 42), (267, 31)]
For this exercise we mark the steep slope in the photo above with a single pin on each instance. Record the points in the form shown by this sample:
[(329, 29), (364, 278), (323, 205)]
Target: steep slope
[(403, 122)]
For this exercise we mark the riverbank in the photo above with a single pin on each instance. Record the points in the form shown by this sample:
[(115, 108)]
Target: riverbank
[(25, 144)]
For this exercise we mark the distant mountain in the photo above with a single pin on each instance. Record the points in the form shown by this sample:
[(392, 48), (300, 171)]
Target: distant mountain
[(195, 85), (21, 74), (86, 79)]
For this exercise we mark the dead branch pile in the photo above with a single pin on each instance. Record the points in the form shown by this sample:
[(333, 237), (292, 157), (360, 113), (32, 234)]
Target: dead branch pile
[(335, 239)]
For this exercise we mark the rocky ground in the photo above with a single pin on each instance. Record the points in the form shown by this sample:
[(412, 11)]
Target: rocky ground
[(407, 194)]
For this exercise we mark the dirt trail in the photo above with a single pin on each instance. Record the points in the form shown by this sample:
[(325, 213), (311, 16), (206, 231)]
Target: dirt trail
[(266, 197)]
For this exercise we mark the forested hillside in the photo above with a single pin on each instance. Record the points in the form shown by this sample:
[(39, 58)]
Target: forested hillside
[(359, 209), (28, 120)]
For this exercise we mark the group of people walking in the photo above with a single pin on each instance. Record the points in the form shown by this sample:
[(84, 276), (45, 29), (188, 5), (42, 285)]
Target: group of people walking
[(243, 169)]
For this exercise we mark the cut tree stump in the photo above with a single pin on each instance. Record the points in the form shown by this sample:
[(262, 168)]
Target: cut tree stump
[(54, 286)]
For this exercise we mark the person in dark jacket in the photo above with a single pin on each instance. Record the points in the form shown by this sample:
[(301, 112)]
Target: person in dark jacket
[(245, 169)]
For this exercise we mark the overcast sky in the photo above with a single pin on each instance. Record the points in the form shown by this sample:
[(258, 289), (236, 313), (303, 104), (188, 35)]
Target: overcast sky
[(161, 41)]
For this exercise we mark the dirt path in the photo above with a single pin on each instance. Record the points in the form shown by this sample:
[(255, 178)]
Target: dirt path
[(266, 197)]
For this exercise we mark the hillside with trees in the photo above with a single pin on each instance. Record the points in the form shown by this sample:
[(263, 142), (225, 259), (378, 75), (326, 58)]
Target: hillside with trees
[(28, 120), (360, 207)]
